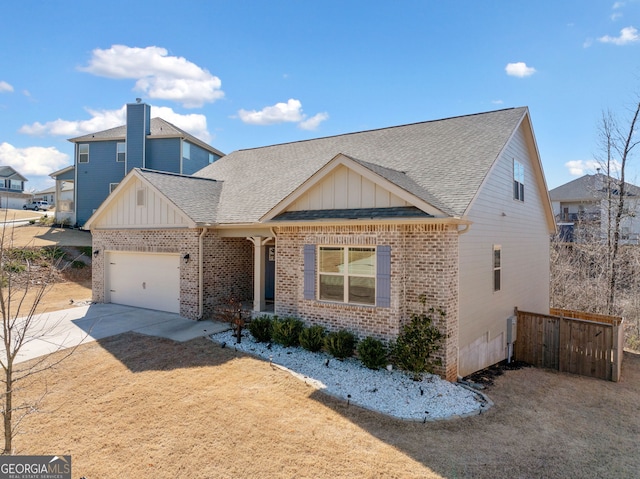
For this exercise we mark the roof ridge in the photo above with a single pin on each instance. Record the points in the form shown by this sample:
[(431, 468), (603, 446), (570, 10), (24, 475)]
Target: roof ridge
[(179, 175), (382, 128)]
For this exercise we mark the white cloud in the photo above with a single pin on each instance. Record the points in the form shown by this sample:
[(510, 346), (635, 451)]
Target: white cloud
[(158, 75), (618, 5), (33, 160), (278, 113), (195, 124), (582, 167), (289, 112), (627, 35), (519, 69), (497, 102), (313, 122), (616, 16), (5, 87)]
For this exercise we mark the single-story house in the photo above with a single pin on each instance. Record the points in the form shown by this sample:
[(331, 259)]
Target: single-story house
[(349, 231)]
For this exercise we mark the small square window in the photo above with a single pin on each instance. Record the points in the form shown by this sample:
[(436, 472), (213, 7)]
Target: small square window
[(347, 275), (113, 186)]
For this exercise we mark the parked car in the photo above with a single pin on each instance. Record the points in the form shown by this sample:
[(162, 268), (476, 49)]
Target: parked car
[(37, 205)]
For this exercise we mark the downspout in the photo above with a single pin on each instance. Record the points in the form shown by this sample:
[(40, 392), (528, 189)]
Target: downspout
[(201, 273)]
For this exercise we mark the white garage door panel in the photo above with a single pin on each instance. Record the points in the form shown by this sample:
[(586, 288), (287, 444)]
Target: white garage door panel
[(144, 280)]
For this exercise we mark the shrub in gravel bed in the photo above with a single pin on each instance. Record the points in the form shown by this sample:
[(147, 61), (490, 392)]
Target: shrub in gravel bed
[(260, 329), (414, 349), (286, 331), (312, 338), (340, 344), (373, 353)]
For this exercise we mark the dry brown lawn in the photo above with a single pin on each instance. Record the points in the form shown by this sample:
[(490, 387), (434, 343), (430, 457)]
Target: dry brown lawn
[(137, 406)]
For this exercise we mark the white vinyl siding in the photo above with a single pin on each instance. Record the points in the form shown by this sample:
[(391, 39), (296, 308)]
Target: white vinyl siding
[(521, 230), (125, 211), (518, 180), (344, 188)]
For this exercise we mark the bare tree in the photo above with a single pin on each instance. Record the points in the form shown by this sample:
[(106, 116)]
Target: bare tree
[(20, 295)]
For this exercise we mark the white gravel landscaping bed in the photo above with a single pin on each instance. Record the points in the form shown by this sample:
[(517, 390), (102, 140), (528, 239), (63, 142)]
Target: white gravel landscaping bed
[(390, 392)]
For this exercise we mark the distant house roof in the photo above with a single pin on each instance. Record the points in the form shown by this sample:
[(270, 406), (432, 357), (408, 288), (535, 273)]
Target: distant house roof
[(66, 186), (159, 129), (9, 173), (442, 162), (590, 188)]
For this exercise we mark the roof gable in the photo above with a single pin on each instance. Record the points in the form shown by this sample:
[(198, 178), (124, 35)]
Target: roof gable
[(150, 199), (589, 188), (9, 173), (347, 184)]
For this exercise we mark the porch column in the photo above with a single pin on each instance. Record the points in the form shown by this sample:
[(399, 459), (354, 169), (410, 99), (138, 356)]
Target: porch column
[(259, 303)]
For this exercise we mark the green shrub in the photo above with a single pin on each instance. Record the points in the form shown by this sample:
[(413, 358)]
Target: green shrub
[(340, 344), (420, 339), (260, 329), (53, 252), (372, 353), (14, 267), (312, 338), (78, 264), (286, 331)]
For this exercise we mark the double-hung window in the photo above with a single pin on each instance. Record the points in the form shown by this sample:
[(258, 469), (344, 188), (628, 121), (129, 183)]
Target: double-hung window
[(497, 267), (83, 153), (518, 180), (121, 154), (347, 274)]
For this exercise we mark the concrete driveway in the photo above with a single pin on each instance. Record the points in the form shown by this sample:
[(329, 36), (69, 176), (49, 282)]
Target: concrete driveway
[(70, 327)]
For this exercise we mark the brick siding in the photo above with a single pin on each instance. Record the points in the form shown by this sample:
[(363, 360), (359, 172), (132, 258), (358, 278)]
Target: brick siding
[(424, 261), (228, 264)]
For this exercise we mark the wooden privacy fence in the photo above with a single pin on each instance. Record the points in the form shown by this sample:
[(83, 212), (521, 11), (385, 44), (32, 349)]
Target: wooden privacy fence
[(571, 341)]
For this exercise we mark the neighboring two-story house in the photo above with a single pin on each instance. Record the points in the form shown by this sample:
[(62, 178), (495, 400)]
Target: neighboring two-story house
[(102, 159), (349, 231), (586, 207), (12, 193)]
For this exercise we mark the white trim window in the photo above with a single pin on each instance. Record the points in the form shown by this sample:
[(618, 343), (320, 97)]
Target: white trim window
[(121, 152), (83, 153), (112, 186), (518, 180), (497, 267), (347, 274), (186, 150)]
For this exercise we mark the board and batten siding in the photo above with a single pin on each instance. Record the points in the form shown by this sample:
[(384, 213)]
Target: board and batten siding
[(154, 212), (345, 189), (521, 229)]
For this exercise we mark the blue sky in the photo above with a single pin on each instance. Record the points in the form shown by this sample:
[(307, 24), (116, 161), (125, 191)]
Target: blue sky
[(240, 74)]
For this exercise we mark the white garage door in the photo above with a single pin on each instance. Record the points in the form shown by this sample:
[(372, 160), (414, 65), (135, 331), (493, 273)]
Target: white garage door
[(144, 280)]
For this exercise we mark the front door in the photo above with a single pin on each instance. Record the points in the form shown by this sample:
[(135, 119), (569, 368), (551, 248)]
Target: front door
[(270, 273)]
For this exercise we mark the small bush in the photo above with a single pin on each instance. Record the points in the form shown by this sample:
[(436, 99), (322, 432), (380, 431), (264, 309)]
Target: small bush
[(53, 253), (372, 353), (77, 264), (420, 339), (312, 338), (340, 344), (260, 329), (15, 267), (286, 331)]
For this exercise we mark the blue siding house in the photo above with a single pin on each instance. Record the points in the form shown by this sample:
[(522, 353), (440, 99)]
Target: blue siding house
[(102, 159)]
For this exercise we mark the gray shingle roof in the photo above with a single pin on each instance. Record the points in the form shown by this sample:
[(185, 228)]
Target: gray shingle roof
[(589, 188), (159, 129), (443, 162), (198, 198)]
